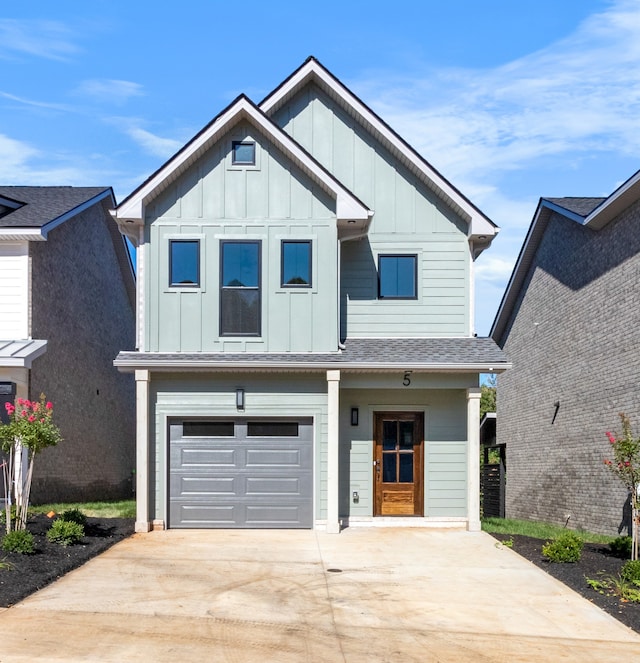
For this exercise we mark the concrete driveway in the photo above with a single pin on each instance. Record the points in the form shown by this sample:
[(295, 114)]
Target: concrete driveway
[(365, 595)]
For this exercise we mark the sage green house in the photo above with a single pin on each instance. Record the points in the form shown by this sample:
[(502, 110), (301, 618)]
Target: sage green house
[(305, 348)]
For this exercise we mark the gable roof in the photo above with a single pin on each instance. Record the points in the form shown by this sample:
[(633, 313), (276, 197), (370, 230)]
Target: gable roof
[(31, 212), (593, 213), (481, 228), (348, 206)]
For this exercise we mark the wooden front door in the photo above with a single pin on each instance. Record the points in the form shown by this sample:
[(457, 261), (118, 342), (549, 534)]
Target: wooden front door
[(398, 463)]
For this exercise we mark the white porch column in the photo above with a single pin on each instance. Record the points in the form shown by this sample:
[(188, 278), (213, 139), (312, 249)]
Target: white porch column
[(473, 459), (143, 521), (333, 461)]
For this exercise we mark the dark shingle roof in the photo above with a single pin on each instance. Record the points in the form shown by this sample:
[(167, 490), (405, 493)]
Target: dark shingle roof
[(42, 204), (360, 353), (580, 206)]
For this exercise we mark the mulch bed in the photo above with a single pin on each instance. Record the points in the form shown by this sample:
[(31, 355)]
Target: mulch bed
[(595, 561), (29, 573)]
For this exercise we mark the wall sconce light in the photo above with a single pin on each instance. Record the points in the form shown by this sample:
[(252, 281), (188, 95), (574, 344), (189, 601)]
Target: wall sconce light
[(240, 399), (354, 416)]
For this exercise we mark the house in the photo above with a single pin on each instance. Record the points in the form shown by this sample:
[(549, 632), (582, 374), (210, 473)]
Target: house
[(569, 323), (67, 304), (306, 355)]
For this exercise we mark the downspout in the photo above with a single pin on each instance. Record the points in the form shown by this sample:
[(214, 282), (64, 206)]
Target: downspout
[(341, 345)]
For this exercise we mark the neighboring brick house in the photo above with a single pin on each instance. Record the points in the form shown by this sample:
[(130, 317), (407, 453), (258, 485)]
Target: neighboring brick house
[(570, 324), (302, 361), (67, 293)]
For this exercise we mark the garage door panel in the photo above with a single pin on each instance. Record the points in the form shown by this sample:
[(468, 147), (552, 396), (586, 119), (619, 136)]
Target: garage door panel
[(273, 486), (203, 516), (198, 457), (245, 482), (183, 486)]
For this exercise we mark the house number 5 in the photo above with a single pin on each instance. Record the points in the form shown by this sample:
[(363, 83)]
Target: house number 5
[(406, 381)]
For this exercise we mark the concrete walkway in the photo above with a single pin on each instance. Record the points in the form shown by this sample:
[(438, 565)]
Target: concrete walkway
[(365, 595)]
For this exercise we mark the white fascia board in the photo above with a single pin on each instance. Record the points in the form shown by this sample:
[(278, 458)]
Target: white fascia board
[(22, 234), (624, 196), (479, 224), (133, 209), (198, 365)]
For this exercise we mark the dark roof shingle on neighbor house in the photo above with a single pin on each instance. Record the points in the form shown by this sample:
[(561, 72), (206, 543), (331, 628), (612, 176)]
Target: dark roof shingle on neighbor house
[(580, 206), (39, 205), (359, 354)]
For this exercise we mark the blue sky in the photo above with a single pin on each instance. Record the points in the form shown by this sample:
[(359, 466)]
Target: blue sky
[(508, 100)]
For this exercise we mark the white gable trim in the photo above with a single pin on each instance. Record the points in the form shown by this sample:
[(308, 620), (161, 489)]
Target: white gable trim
[(312, 70), (624, 196), (348, 207)]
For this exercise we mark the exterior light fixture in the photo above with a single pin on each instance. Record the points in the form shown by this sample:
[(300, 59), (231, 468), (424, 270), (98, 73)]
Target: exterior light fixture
[(354, 416), (240, 399)]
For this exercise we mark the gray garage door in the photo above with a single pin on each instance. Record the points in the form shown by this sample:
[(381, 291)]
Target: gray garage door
[(241, 473)]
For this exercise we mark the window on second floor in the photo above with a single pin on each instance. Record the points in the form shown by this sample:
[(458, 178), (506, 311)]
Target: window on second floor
[(240, 297), (296, 263), (243, 153), (184, 263), (397, 276)]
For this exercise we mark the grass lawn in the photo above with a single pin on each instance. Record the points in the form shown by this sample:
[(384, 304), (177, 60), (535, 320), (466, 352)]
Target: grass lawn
[(120, 509), (536, 530)]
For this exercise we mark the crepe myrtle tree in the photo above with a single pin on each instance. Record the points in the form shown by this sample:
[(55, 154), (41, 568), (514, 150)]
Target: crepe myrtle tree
[(625, 464), (30, 429)]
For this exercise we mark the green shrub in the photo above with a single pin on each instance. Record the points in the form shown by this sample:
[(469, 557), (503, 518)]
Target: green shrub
[(621, 547), (19, 541), (630, 571), (565, 548), (65, 532), (74, 516)]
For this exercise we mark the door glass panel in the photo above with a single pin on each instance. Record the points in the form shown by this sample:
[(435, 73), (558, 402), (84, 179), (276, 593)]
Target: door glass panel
[(389, 435), (406, 468), (406, 434), (389, 468)]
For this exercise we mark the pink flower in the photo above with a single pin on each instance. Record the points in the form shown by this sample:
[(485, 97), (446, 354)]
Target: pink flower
[(627, 464), (49, 405), (32, 418), (27, 403), (23, 413), (36, 407), (21, 401), (9, 407), (612, 439), (607, 462)]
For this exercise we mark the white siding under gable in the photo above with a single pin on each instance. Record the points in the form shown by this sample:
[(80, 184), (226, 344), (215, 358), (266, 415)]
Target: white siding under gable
[(14, 290)]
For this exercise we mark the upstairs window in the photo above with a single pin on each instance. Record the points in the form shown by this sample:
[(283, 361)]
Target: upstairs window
[(397, 277), (184, 263), (296, 264), (243, 153), (240, 300)]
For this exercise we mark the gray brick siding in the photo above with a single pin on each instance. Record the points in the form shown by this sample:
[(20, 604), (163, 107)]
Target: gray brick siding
[(81, 306), (574, 338)]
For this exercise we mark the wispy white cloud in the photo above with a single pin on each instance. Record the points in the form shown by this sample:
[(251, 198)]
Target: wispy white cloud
[(46, 39), (117, 92), (578, 95), (148, 141), (35, 103), (17, 166)]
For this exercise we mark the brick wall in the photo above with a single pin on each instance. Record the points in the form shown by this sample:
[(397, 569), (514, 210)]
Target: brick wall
[(81, 306), (574, 339)]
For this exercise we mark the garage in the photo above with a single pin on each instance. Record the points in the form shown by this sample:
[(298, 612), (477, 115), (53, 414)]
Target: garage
[(241, 473)]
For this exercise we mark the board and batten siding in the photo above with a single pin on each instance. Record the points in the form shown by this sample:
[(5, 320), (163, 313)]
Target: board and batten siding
[(269, 202), (208, 395), (445, 447), (409, 218), (14, 290)]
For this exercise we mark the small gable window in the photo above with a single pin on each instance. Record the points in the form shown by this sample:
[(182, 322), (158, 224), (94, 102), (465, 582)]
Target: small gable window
[(296, 264), (184, 262), (397, 276), (243, 153)]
